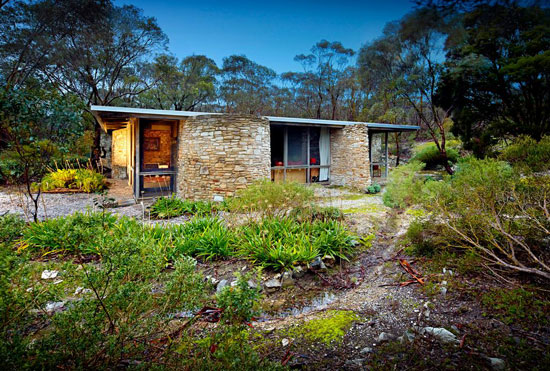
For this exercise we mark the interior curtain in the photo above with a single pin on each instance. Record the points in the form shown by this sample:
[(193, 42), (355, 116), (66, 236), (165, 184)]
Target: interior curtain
[(324, 153)]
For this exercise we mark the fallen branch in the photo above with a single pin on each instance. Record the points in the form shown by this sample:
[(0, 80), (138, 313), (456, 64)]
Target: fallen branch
[(410, 270)]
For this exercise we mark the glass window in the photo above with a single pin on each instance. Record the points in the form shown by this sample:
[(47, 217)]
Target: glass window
[(314, 134), (277, 146), (297, 146), (156, 183), (156, 147)]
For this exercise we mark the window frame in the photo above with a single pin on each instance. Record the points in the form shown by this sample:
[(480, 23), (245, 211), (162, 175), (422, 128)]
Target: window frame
[(308, 165)]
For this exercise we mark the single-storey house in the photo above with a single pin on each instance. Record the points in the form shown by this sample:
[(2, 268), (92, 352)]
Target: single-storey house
[(200, 155)]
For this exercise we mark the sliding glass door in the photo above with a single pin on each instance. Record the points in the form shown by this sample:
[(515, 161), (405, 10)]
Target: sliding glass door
[(300, 154)]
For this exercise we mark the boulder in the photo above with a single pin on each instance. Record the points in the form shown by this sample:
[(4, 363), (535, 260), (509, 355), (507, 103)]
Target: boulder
[(221, 285), (48, 275), (317, 264), (441, 334), (287, 279), (384, 336), (272, 285), (298, 272), (497, 363)]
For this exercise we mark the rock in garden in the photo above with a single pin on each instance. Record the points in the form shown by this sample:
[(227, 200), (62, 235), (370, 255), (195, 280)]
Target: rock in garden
[(384, 336), (317, 264), (298, 272), (272, 285), (252, 284), (287, 279), (48, 275), (53, 307), (221, 285), (81, 290), (329, 261), (366, 350), (497, 363), (441, 334), (407, 336), (212, 280)]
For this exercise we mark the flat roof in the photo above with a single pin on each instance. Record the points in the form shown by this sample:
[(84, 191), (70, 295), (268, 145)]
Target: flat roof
[(111, 113)]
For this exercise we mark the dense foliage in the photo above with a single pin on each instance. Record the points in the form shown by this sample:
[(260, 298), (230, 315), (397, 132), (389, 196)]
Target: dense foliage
[(486, 208), (527, 154), (114, 311), (85, 180), (171, 207)]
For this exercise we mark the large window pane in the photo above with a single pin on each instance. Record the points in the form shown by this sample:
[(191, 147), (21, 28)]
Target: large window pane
[(277, 145), (314, 134), (297, 146), (156, 147)]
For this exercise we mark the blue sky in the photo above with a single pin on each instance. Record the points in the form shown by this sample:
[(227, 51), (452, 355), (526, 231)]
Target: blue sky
[(268, 32)]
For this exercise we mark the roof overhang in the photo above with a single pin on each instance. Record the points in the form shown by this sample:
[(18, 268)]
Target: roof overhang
[(111, 118)]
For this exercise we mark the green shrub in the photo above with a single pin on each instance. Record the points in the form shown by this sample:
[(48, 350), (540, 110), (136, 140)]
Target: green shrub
[(281, 243), (240, 303), (77, 233), (431, 157), (528, 155), (85, 180), (276, 243), (271, 198), (208, 238), (331, 238), (374, 188), (11, 228), (487, 209), (404, 186), (171, 207)]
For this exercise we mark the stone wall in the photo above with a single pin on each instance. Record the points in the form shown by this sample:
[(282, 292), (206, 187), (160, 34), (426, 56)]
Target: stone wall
[(219, 154), (349, 148)]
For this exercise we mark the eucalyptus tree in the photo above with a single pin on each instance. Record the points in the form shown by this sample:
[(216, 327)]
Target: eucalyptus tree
[(99, 62), (320, 88), (246, 86), (185, 85), (406, 64)]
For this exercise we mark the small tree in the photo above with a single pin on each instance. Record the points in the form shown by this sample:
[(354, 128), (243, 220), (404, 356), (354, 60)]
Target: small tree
[(35, 127)]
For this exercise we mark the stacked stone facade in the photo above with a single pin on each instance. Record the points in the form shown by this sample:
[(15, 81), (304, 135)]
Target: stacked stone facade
[(349, 148), (219, 154)]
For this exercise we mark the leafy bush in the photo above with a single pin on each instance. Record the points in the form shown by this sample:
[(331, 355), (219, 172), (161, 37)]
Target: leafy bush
[(271, 198), (239, 303), (487, 209), (332, 239), (431, 157), (404, 186), (208, 238), (276, 243), (86, 180), (11, 228), (374, 188), (171, 207), (77, 233), (528, 155), (281, 243)]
